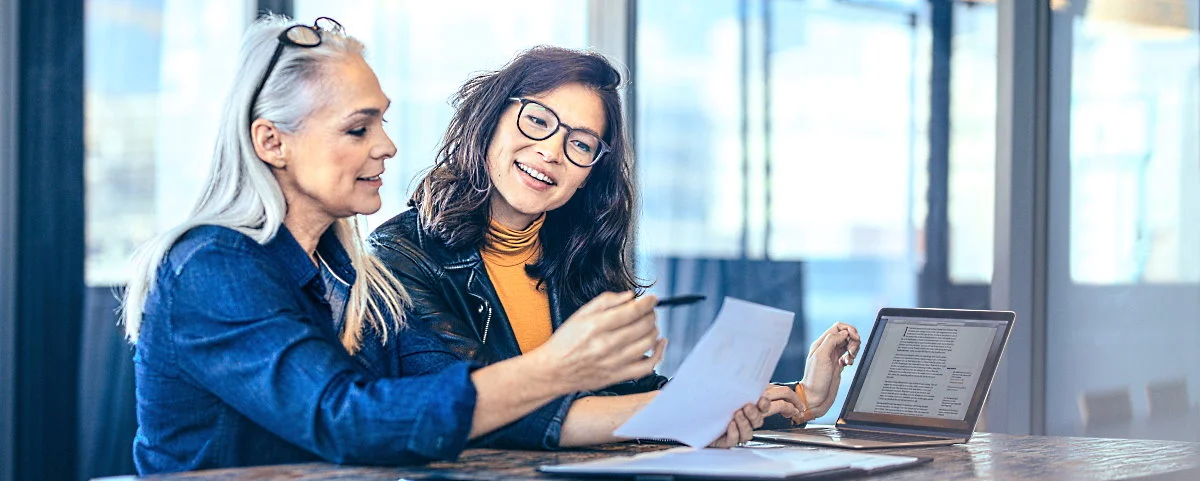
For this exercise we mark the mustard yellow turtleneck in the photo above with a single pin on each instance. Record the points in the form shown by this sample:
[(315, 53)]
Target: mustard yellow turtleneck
[(505, 255)]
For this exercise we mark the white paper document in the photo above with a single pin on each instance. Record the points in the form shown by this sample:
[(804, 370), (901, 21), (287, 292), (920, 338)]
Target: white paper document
[(779, 463), (728, 368)]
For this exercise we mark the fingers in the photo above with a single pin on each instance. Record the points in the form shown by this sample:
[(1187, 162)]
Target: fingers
[(782, 408), (636, 349), (851, 352), (782, 400), (731, 433), (781, 393), (837, 345), (738, 430), (612, 310), (605, 301), (825, 345), (745, 430), (817, 342), (660, 350), (853, 331), (745, 420), (645, 365), (639, 336), (838, 348), (756, 412), (637, 313), (853, 342), (842, 331), (622, 333)]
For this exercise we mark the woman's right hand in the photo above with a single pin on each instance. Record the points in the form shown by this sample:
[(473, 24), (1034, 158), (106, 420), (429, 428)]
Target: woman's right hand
[(745, 420), (604, 342)]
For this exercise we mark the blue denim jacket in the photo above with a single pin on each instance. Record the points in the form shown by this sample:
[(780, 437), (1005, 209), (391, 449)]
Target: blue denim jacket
[(238, 363)]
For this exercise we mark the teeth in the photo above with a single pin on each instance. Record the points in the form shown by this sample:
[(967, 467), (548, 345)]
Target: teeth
[(374, 177), (535, 174)]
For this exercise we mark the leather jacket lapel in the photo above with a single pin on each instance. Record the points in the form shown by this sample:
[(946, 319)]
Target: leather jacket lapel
[(491, 322)]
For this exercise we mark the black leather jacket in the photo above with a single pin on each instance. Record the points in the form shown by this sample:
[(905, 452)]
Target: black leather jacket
[(453, 296)]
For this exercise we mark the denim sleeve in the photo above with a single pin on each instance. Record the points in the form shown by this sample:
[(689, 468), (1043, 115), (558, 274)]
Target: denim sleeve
[(538, 430), (423, 351), (238, 329)]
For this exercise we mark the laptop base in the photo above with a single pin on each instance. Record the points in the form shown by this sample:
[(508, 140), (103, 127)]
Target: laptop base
[(852, 438)]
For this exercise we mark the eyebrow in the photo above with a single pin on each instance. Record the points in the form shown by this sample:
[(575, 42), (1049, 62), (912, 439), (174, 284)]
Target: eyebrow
[(555, 112), (369, 111), (584, 129), (588, 130)]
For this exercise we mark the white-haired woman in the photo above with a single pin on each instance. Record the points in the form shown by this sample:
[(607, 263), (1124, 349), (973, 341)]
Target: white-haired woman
[(259, 322)]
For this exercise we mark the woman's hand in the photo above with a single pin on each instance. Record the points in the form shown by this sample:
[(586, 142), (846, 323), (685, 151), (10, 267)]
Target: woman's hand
[(604, 343), (745, 421), (827, 356), (784, 401)]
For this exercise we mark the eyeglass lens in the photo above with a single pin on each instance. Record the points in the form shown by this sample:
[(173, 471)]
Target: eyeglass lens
[(299, 36), (304, 36), (539, 123)]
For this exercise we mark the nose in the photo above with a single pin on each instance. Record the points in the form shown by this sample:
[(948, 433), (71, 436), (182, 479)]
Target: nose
[(552, 148), (386, 149)]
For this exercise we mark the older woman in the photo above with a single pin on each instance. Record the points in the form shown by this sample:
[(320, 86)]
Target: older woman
[(526, 216), (259, 322)]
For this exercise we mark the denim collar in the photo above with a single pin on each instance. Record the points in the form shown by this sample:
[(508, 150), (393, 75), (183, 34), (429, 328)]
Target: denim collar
[(335, 256), (297, 263)]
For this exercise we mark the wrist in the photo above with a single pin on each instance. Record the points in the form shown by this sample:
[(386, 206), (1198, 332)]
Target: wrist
[(814, 400), (542, 371)]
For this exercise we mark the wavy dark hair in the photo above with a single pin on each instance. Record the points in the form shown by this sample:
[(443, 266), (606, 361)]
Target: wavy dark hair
[(585, 243)]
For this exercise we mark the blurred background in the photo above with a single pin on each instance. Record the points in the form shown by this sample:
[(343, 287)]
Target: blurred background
[(828, 157)]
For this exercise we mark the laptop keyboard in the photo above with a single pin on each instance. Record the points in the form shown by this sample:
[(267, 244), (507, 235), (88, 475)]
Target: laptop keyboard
[(864, 435)]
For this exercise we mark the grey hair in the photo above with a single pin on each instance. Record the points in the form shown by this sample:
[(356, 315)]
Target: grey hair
[(241, 192)]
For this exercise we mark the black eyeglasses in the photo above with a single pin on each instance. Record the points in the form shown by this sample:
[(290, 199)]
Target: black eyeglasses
[(537, 122), (303, 36)]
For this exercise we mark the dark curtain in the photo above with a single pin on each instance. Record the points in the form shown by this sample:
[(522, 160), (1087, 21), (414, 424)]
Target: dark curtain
[(49, 238), (107, 419), (776, 284)]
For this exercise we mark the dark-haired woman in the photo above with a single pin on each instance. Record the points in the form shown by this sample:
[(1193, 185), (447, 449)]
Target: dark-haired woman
[(525, 217)]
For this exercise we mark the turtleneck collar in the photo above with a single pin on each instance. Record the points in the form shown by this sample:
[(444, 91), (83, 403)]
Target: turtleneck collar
[(510, 247)]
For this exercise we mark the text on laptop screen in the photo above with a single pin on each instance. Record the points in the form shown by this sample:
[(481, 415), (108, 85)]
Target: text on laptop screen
[(929, 372), (932, 369)]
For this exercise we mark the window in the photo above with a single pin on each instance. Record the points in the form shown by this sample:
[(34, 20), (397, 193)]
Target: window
[(152, 70), (783, 154), (423, 51), (972, 171), (1124, 225), (1134, 147), (151, 120)]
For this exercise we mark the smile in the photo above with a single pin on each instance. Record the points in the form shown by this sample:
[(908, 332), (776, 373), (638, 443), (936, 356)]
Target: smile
[(535, 174), (370, 179)]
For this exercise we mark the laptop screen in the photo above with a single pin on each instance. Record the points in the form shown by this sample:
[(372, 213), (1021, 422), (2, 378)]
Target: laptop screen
[(927, 369)]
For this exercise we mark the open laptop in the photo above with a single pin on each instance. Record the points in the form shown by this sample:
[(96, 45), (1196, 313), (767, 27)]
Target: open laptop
[(921, 381)]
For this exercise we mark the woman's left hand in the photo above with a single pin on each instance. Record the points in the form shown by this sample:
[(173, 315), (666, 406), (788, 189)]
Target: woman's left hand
[(829, 354), (784, 401), (745, 421)]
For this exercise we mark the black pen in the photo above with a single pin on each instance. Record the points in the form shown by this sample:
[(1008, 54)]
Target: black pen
[(679, 300)]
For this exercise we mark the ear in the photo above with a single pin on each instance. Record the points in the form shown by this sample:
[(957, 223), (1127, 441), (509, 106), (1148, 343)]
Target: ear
[(268, 143)]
